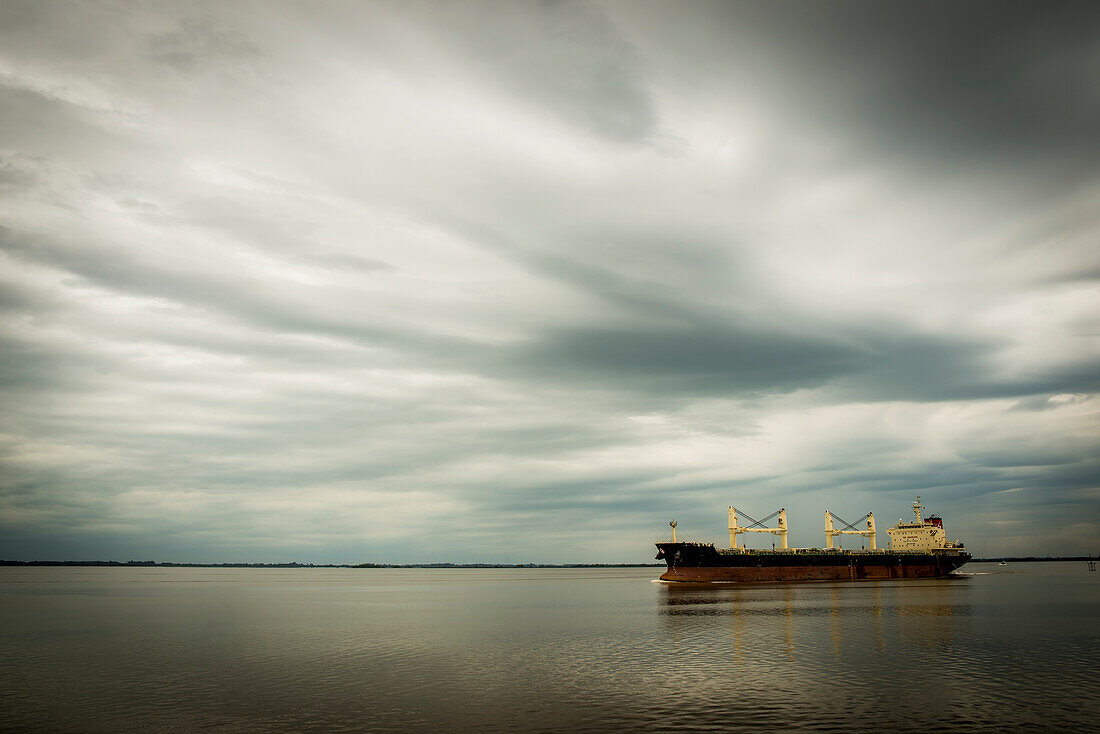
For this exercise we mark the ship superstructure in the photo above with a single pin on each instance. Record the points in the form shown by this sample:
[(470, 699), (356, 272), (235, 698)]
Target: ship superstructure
[(923, 534), (918, 549)]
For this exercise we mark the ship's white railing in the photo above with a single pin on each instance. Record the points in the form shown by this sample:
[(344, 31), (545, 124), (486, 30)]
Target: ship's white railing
[(830, 551)]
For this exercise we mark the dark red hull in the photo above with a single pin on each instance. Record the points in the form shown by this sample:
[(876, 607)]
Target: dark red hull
[(702, 562)]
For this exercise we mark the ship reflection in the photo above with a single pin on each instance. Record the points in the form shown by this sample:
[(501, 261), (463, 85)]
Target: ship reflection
[(838, 620)]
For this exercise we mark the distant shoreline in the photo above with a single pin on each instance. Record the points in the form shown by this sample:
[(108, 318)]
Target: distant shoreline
[(1032, 559), (170, 564), (296, 565)]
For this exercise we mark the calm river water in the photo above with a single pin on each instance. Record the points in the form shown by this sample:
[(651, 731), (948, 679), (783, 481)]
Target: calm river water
[(544, 650)]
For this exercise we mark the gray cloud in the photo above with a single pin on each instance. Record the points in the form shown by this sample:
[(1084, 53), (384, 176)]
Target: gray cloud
[(566, 57), (414, 282), (693, 361), (196, 41), (977, 81)]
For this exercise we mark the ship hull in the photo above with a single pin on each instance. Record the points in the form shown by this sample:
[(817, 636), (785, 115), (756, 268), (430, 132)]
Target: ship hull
[(697, 562)]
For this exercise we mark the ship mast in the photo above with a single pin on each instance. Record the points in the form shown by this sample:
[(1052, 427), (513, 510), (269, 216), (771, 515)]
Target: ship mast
[(916, 510), (758, 526), (673, 526), (850, 529)]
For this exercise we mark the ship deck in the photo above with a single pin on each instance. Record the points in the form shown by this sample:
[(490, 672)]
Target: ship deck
[(830, 552)]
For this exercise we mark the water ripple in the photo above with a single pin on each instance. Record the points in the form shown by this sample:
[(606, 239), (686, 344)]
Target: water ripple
[(182, 650)]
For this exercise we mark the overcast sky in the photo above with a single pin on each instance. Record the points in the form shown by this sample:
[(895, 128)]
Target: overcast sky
[(519, 281)]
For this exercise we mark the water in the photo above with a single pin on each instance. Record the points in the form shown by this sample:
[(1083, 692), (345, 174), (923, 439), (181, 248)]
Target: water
[(543, 650)]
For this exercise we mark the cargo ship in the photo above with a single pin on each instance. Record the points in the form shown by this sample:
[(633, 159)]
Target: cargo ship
[(917, 549)]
